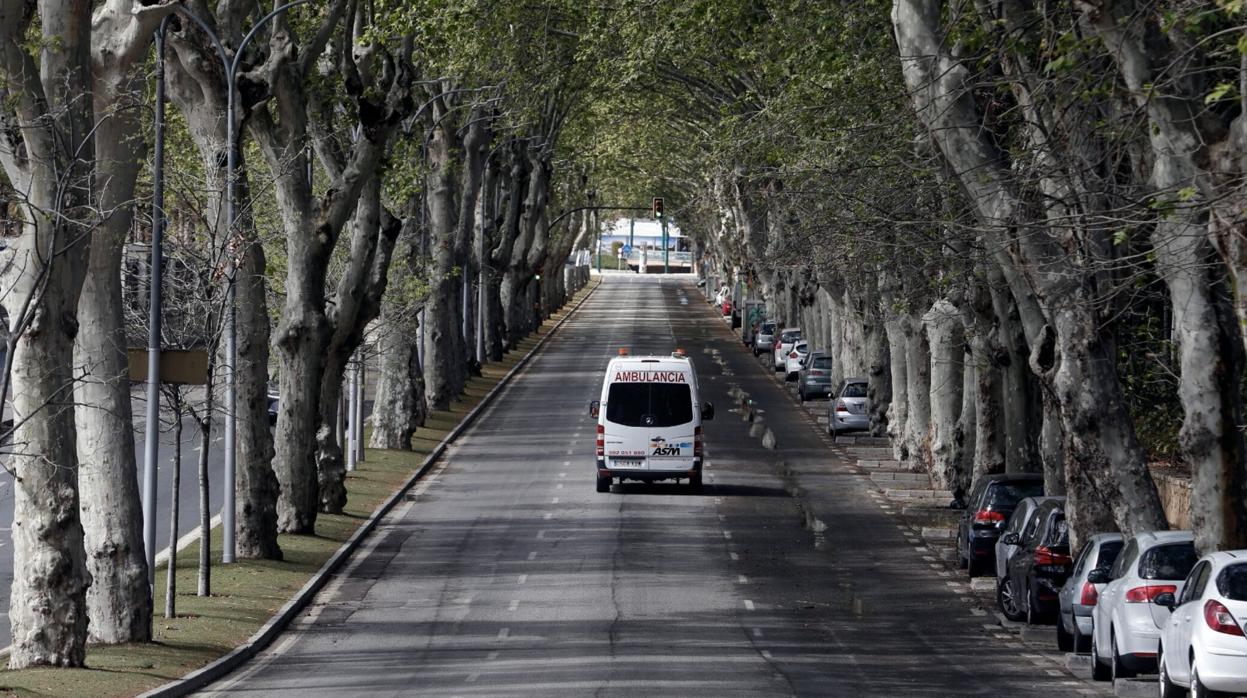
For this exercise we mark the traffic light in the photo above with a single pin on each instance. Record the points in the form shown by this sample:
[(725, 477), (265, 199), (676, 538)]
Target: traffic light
[(658, 207)]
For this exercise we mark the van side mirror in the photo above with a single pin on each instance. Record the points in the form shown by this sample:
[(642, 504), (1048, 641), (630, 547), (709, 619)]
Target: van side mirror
[(1010, 538), (1098, 575), (707, 410), (595, 408), (1165, 599)]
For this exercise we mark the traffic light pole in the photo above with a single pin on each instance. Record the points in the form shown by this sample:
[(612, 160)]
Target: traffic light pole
[(665, 250)]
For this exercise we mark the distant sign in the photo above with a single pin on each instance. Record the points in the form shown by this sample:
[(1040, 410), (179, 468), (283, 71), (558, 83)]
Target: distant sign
[(185, 366), (626, 249)]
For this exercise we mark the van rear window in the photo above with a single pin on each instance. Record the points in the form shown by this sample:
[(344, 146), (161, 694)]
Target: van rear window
[(649, 404)]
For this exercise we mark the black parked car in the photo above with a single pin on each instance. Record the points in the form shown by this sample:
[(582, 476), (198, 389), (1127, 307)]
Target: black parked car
[(1041, 564), (987, 509)]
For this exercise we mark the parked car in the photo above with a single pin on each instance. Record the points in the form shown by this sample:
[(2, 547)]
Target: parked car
[(849, 409), (1039, 567), (814, 379), (1009, 596), (1079, 595), (764, 340), (795, 359), (988, 507), (1126, 623), (787, 337), (1202, 647)]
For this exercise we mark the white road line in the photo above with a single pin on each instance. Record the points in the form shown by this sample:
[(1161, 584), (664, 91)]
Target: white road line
[(748, 605), (742, 579), (532, 555), (504, 633), (515, 604), (757, 632), (554, 501), (562, 474), (541, 534), (548, 515), (491, 656), (727, 535), (734, 556), (558, 486), (570, 451), (567, 462), (523, 578), (473, 677)]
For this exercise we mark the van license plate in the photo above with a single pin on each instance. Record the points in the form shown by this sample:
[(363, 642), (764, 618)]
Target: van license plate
[(628, 463)]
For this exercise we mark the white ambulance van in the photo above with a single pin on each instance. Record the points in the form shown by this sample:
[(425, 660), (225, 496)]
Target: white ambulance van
[(649, 420)]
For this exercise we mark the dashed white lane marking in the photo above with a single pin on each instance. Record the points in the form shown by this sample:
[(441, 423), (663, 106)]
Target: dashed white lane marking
[(742, 579), (765, 654), (748, 605), (491, 656), (978, 612), (558, 486), (548, 515), (523, 578), (727, 535), (567, 462), (734, 556), (554, 501), (722, 517), (562, 474), (757, 632), (532, 555), (570, 451), (504, 633), (515, 604), (473, 677), (541, 534)]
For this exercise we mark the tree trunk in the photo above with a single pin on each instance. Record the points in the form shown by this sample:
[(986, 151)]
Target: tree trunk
[(898, 414), (942, 324), (918, 375), (978, 321), (399, 408)]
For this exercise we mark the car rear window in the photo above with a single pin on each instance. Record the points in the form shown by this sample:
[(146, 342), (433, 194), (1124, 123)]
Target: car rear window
[(822, 362), (1170, 562), (649, 404), (1232, 582), (768, 328), (854, 390), (1058, 533), (789, 337), (1006, 494)]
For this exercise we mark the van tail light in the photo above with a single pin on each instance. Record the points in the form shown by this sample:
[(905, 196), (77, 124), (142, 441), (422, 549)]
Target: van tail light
[(1218, 617), (1145, 594), (697, 442), (601, 441), (1090, 596), (1045, 556), (987, 517)]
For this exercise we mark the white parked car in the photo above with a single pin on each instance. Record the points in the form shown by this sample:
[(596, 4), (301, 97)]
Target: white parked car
[(1202, 646), (1126, 622), (783, 345), (794, 360)]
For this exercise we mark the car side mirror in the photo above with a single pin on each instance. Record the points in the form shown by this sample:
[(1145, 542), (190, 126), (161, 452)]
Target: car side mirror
[(1165, 599), (1098, 576), (1010, 539), (595, 408), (707, 411)]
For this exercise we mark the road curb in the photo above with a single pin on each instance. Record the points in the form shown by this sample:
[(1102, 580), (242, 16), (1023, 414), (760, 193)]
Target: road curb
[(269, 631)]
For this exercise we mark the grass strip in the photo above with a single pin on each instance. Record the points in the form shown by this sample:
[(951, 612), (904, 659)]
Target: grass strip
[(249, 592)]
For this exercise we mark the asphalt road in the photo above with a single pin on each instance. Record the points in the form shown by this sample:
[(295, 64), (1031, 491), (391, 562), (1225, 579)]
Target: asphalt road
[(506, 574)]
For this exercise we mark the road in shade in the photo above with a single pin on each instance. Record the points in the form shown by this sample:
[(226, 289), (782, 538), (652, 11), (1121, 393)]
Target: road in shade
[(506, 574)]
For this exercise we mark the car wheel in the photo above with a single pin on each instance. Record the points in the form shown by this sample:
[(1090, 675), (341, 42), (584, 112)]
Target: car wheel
[(1082, 643), (1100, 671), (1119, 668), (962, 562), (1198, 689), (604, 484), (1168, 689), (1064, 641), (1006, 598)]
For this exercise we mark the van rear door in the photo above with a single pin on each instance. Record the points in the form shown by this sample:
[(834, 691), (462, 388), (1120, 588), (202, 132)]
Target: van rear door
[(649, 426)]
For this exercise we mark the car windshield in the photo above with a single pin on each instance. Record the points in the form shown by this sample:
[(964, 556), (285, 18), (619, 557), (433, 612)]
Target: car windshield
[(1171, 562), (1005, 495), (649, 404), (854, 390), (821, 362), (1108, 554), (1232, 582), (768, 328)]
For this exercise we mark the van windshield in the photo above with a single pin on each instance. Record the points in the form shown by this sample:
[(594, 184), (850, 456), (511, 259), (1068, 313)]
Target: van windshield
[(649, 404)]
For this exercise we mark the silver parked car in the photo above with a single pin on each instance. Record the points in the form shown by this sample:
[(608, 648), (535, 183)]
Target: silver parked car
[(765, 339), (1009, 599), (850, 408), (1079, 595), (814, 379), (1126, 623)]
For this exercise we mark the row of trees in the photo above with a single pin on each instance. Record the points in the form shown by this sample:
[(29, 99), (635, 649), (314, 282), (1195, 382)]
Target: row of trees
[(1023, 221), (393, 155)]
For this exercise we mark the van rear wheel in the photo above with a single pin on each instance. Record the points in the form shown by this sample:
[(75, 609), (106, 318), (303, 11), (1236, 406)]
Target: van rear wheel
[(604, 484), (694, 483)]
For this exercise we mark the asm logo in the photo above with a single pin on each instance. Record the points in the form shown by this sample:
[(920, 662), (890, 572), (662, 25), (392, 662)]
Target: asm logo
[(659, 447)]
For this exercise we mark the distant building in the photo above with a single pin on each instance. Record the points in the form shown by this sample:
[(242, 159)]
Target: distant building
[(645, 236)]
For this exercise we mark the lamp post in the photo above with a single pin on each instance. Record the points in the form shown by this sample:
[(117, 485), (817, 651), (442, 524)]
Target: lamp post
[(151, 443)]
